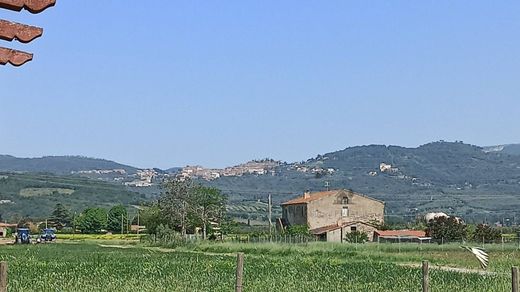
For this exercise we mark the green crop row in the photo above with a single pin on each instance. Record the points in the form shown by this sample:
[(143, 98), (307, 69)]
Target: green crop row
[(89, 267)]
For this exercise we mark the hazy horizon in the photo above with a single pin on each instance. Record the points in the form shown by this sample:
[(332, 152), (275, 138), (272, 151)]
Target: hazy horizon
[(238, 162), (221, 83)]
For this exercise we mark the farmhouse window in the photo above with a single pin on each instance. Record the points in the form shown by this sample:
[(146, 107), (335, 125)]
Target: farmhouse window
[(353, 228), (344, 200), (344, 212)]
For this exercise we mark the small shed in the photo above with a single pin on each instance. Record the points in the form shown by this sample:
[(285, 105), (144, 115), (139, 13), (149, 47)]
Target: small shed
[(4, 227), (403, 235)]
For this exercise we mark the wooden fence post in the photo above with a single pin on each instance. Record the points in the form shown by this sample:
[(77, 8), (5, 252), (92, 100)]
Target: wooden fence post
[(425, 278), (3, 276), (514, 282), (240, 271)]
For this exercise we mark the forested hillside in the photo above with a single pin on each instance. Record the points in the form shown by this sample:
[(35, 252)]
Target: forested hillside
[(59, 164)]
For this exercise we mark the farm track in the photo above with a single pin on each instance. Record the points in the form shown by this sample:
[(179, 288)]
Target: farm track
[(168, 250), (451, 269)]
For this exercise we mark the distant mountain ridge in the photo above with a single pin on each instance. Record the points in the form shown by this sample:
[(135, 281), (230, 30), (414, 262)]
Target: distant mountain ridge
[(59, 164)]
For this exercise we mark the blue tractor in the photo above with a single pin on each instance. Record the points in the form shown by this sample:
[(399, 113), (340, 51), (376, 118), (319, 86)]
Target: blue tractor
[(47, 235), (23, 236)]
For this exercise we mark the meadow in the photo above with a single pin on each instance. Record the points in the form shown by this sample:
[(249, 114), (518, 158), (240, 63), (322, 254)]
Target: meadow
[(121, 266)]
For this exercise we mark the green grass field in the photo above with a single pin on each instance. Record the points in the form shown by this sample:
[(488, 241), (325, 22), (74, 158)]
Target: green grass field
[(97, 266), (34, 192)]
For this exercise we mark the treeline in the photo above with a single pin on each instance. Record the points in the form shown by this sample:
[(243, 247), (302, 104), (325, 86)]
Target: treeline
[(183, 208), (91, 220), (445, 229)]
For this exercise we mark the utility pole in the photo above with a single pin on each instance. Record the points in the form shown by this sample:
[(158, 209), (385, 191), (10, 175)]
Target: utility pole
[(121, 224), (327, 185), (269, 207), (138, 225)]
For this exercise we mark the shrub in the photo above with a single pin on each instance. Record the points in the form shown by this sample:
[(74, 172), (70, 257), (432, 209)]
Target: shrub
[(486, 232), (356, 237)]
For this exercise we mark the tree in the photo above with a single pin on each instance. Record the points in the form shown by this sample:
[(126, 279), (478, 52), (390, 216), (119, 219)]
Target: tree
[(117, 219), (151, 217), (177, 202), (298, 230), (92, 220), (446, 228), (60, 217), (208, 204), (486, 232)]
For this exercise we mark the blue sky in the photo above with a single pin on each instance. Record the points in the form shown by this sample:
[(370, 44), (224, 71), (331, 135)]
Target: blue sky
[(170, 83)]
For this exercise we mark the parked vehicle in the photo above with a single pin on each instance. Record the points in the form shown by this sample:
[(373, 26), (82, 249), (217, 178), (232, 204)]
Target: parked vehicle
[(47, 235), (23, 236)]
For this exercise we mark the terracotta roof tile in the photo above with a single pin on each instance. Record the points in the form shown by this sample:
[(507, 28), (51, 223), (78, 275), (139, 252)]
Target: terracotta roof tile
[(33, 6), (10, 31), (24, 33), (14, 57)]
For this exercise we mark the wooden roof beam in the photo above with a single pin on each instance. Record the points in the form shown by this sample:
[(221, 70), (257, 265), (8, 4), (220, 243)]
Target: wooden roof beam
[(24, 33), (33, 6), (14, 57)]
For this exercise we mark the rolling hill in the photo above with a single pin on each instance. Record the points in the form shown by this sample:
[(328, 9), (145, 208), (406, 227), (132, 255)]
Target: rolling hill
[(59, 164), (35, 195), (478, 184)]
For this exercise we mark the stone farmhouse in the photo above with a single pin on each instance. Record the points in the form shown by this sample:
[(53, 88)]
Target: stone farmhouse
[(330, 215)]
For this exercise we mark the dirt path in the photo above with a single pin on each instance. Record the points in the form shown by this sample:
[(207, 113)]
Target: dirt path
[(451, 269)]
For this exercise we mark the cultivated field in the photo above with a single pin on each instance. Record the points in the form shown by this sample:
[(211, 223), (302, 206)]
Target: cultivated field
[(119, 266)]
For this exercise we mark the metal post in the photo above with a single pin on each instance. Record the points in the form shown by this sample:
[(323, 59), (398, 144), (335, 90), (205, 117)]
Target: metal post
[(514, 278), (3, 276), (425, 279), (239, 272), (269, 217)]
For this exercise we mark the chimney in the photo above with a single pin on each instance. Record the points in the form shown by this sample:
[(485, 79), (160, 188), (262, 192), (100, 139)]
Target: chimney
[(306, 194)]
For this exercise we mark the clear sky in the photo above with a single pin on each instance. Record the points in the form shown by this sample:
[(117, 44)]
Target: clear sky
[(170, 83)]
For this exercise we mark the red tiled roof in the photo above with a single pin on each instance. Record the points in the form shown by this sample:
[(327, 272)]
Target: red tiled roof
[(324, 229), (321, 230), (310, 197), (401, 233)]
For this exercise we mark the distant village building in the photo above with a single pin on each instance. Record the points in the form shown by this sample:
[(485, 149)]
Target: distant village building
[(330, 215)]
